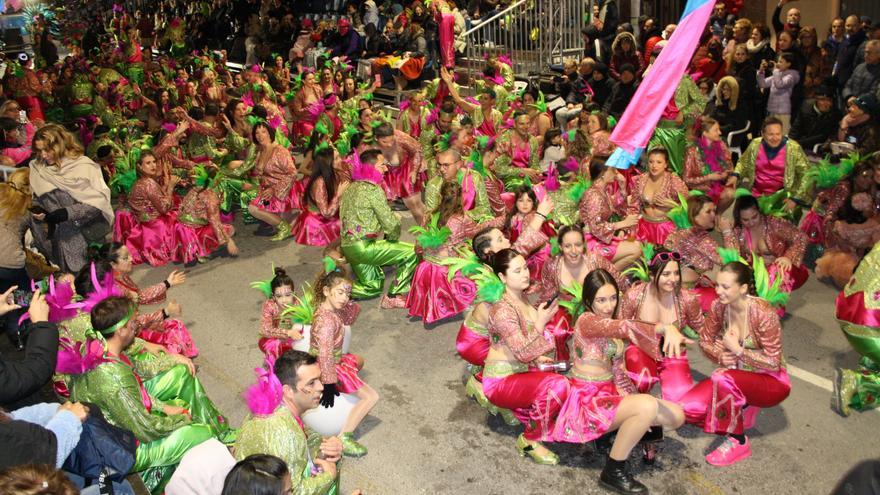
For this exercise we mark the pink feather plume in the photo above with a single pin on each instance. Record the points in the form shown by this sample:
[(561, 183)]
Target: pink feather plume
[(264, 396)]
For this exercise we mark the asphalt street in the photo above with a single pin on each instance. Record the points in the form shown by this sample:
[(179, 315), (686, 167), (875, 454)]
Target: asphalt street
[(426, 436)]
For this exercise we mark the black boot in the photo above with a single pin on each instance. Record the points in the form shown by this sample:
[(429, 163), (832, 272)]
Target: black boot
[(615, 478)]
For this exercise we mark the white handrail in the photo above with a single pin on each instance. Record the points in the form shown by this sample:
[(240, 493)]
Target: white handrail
[(496, 16)]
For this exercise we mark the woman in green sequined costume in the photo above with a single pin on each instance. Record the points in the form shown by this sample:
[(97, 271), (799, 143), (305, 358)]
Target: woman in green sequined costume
[(858, 312)]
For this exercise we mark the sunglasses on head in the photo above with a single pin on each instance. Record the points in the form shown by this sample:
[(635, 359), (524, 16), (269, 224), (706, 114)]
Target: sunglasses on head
[(665, 257)]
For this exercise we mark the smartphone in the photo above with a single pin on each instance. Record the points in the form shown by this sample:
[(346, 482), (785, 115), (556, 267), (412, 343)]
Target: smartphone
[(37, 209), (22, 116), (550, 301), (22, 297)]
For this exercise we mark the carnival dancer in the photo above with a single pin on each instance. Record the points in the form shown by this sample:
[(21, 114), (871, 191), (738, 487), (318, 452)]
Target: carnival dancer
[(284, 391), (436, 293), (450, 168), (603, 201), (168, 414), (199, 230), (308, 95), (707, 164), (601, 398), (486, 118), (278, 331), (656, 192), (159, 326), (779, 242), (318, 223), (405, 177), (413, 114), (562, 277), (659, 298), (366, 216), (518, 154), (510, 379), (775, 165), (698, 249), (858, 317), (276, 199), (441, 121), (339, 372), (742, 334)]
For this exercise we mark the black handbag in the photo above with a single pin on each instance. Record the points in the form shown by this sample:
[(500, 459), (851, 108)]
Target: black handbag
[(97, 230), (104, 451)]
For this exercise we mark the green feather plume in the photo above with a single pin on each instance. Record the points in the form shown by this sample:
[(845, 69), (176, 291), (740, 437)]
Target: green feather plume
[(640, 268), (741, 191), (432, 236), (466, 263), (265, 286), (254, 120), (442, 143), (281, 139), (490, 288), (771, 293), (574, 307), (825, 175), (729, 255), (476, 159), (541, 104), (329, 264), (482, 142), (578, 188), (321, 128), (554, 246), (123, 181), (679, 214), (303, 310)]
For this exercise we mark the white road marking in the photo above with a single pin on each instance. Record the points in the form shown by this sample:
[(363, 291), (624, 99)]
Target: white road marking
[(810, 378)]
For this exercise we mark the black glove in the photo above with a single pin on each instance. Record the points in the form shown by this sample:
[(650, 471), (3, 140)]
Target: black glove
[(57, 216), (327, 397), (54, 218)]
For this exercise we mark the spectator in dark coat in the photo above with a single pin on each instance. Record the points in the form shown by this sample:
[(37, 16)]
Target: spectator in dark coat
[(601, 84), (846, 54), (622, 91), (594, 47), (866, 77), (817, 120), (21, 379)]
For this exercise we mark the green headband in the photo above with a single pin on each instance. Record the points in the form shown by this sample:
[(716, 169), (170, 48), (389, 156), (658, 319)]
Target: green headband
[(121, 323)]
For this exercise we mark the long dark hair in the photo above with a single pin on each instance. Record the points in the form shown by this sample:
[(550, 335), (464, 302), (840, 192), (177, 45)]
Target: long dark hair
[(450, 201), (322, 165), (594, 281), (520, 191), (500, 261), (741, 204)]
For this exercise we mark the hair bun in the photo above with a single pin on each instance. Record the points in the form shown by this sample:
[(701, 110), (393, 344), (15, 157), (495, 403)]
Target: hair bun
[(280, 272)]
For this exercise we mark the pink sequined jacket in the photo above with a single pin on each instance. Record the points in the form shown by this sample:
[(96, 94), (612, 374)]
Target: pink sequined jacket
[(148, 200), (328, 330), (327, 207), (697, 248), (276, 174), (763, 346), (694, 168), (270, 321), (202, 207), (596, 343), (153, 294), (596, 210), (670, 189), (687, 307), (781, 237), (509, 327)]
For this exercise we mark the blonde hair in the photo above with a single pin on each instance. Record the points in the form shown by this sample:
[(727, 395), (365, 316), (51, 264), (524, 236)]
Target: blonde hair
[(744, 24), (6, 104), (35, 479), (734, 91), (59, 141), (15, 195)]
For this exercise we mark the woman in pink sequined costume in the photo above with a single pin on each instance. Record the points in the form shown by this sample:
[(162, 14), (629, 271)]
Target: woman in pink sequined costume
[(707, 164), (405, 178), (159, 327), (511, 379), (339, 372), (698, 249), (608, 226), (565, 271), (147, 227), (661, 300), (743, 336), (655, 193), (778, 241), (433, 295), (278, 334), (277, 199), (318, 224), (472, 341), (601, 397), (199, 230), (309, 95)]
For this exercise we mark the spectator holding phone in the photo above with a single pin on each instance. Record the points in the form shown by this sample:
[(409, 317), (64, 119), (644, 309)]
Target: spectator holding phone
[(15, 199), (20, 379)]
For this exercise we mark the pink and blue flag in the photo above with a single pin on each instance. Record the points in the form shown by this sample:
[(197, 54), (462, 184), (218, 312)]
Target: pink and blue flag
[(638, 121)]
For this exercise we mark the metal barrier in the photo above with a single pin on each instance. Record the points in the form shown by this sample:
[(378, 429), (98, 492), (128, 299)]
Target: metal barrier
[(534, 33)]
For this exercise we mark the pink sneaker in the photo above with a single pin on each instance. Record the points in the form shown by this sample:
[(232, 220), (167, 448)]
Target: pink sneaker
[(729, 452)]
